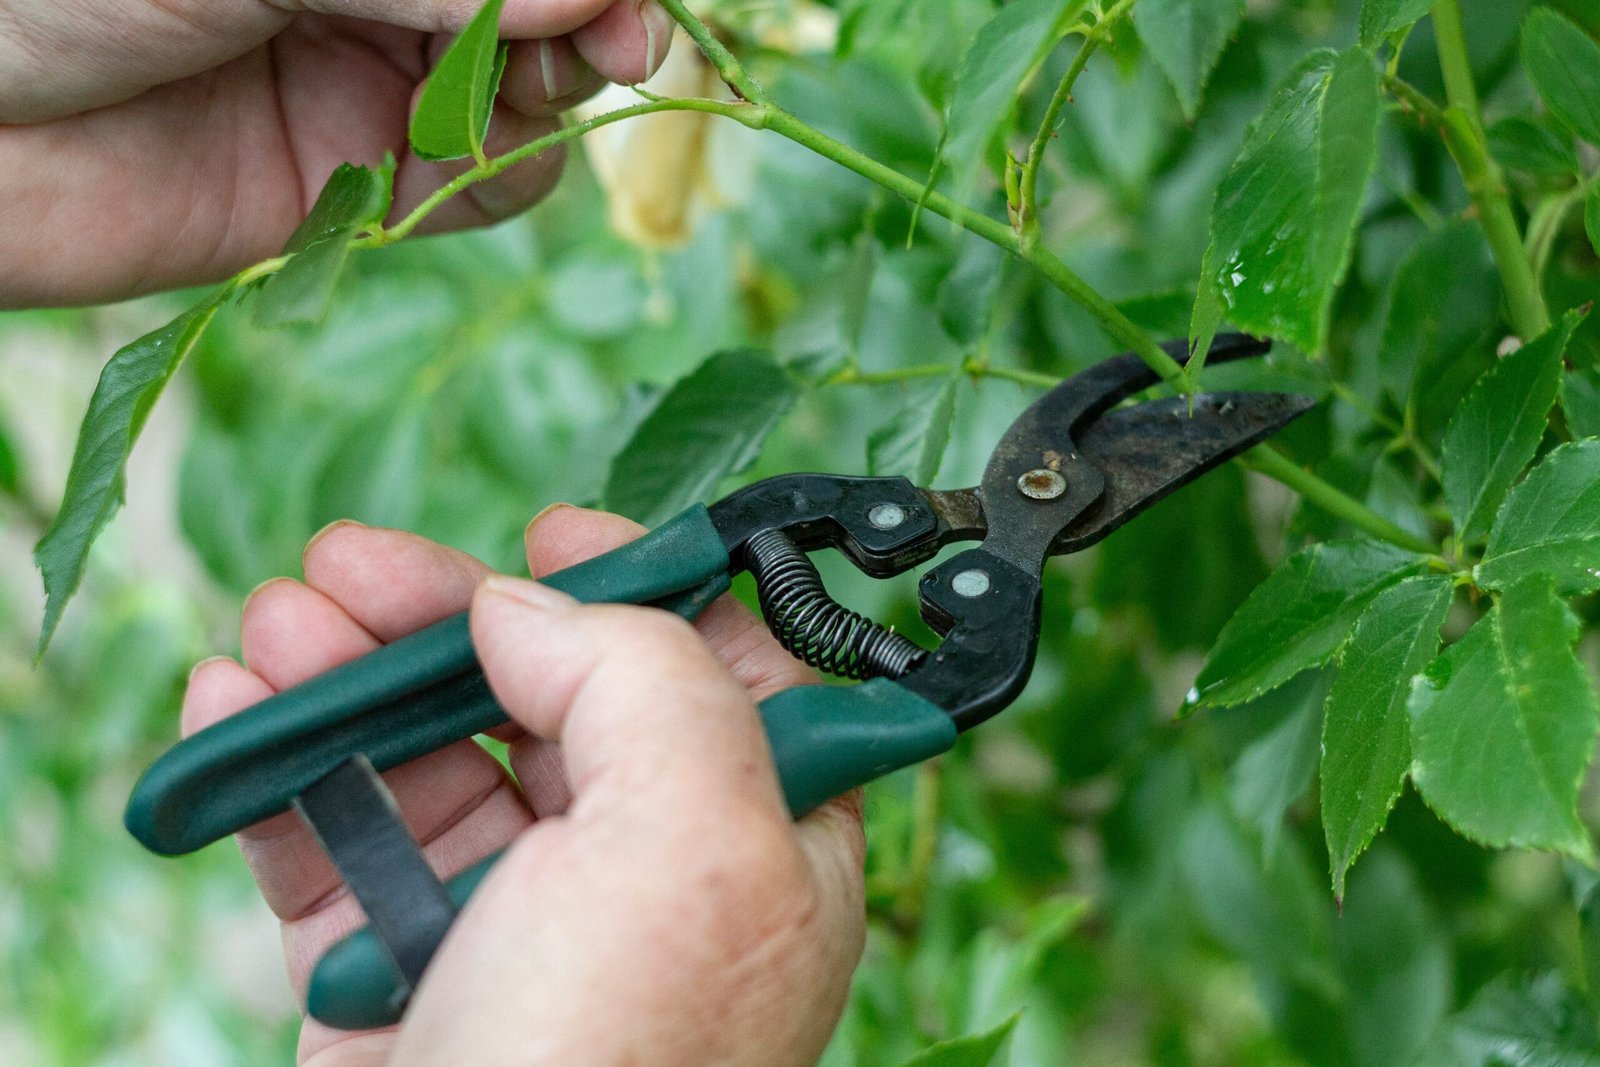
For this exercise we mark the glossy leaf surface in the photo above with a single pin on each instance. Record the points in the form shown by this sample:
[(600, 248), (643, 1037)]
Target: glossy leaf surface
[(1284, 214), (1187, 37), (1298, 617), (452, 115), (353, 199), (974, 1050), (1525, 145), (1550, 524), (1380, 18), (1503, 725), (1011, 44), (1497, 428), (707, 427), (1366, 731), (913, 442), (1563, 62), (129, 386)]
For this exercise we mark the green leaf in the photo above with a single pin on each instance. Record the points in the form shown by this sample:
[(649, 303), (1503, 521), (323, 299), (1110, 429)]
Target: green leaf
[(1542, 1024), (1366, 731), (706, 428), (974, 1050), (1005, 50), (129, 386), (1204, 320), (1580, 399), (1591, 217), (1394, 959), (1269, 914), (353, 199), (913, 442), (10, 469), (1550, 524), (1563, 62), (1002, 968), (1532, 147), (1497, 428), (1503, 723), (452, 116), (1380, 18), (1186, 38), (1285, 214), (1298, 617), (1275, 770), (1443, 309), (968, 294)]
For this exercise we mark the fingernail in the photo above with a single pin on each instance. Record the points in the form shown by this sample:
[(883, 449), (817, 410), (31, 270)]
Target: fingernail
[(543, 513), (206, 663), (324, 532), (528, 594), (657, 29), (252, 594), (555, 82)]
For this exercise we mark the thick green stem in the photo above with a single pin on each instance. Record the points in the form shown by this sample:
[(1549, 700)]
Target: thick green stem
[(1464, 136), (1028, 200), (1112, 320), (493, 167), (728, 67), (1278, 467)]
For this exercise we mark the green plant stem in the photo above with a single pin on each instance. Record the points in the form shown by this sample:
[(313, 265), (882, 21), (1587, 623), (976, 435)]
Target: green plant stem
[(729, 68), (1548, 219), (1112, 320), (1278, 467), (498, 164), (972, 368), (1027, 199), (1464, 136), (258, 271)]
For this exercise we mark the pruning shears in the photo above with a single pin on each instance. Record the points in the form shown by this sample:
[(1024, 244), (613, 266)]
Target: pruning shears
[(1071, 469)]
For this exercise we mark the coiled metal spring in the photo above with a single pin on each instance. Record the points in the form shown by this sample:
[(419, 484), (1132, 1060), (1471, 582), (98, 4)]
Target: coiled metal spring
[(812, 625)]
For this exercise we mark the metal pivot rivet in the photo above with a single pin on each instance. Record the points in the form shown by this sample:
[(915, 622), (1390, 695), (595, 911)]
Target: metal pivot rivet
[(1042, 484), (973, 583), (887, 516)]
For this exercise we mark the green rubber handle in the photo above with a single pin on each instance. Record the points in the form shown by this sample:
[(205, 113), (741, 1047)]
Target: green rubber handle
[(825, 741), (402, 701)]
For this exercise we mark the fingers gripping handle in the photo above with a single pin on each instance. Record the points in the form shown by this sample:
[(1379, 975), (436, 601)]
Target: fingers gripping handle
[(825, 740), (392, 705)]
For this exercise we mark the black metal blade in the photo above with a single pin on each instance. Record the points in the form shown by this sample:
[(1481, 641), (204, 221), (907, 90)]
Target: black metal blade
[(1153, 449), (1042, 446)]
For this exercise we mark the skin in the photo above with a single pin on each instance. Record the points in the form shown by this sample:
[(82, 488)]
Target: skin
[(657, 905), (151, 144)]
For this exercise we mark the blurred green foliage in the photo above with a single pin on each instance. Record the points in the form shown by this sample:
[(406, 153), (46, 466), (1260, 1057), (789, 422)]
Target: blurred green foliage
[(1144, 889)]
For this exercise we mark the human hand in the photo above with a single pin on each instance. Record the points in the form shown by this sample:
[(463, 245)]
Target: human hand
[(150, 144), (656, 904)]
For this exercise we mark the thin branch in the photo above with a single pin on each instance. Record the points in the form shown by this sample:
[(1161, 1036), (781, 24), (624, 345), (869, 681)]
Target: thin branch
[(1027, 200), (1278, 467), (1464, 136), (730, 69)]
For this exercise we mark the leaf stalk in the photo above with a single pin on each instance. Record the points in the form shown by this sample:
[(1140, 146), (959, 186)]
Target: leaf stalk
[(1028, 196), (1462, 126)]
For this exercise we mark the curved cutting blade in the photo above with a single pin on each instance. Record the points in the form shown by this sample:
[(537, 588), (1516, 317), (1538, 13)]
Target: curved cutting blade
[(1151, 450), (1040, 480)]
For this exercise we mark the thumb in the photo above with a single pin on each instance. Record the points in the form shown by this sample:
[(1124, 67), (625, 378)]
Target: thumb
[(67, 56), (644, 712)]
